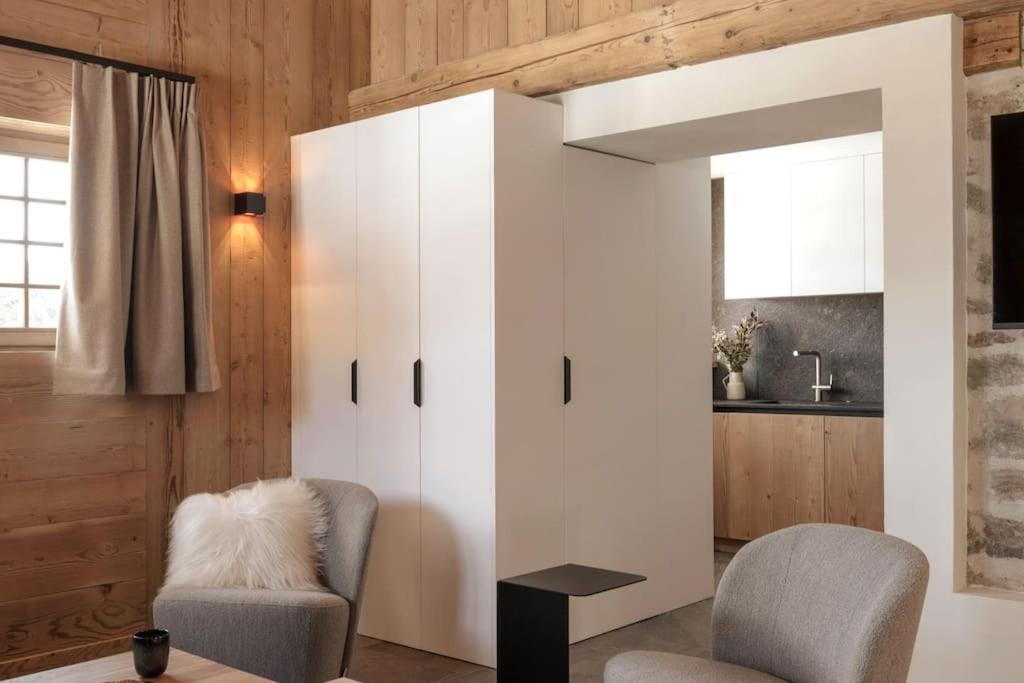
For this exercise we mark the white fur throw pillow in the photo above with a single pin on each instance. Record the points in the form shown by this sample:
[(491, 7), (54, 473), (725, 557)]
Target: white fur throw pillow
[(266, 536)]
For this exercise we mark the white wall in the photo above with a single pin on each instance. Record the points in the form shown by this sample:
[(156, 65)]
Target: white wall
[(917, 67)]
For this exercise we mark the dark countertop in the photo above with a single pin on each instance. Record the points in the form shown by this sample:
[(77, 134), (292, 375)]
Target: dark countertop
[(840, 408)]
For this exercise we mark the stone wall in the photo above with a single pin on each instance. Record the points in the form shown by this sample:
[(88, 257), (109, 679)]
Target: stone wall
[(995, 369)]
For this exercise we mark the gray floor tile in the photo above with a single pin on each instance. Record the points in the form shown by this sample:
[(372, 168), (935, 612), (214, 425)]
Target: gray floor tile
[(685, 631)]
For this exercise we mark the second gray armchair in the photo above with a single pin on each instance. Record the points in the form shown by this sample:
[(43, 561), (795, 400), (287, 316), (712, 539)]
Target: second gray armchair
[(811, 603)]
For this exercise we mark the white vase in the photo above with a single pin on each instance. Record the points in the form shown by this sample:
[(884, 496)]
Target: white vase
[(735, 390)]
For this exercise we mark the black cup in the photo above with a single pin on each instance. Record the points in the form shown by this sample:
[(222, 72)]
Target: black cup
[(151, 649)]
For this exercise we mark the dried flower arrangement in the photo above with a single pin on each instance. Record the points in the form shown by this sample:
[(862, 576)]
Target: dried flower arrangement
[(734, 350)]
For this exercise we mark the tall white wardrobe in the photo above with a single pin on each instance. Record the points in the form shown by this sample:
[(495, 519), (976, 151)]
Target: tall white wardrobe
[(430, 286)]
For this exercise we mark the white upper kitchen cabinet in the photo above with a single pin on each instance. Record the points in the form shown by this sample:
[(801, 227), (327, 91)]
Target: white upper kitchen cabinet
[(757, 239), (804, 219), (874, 249), (827, 226)]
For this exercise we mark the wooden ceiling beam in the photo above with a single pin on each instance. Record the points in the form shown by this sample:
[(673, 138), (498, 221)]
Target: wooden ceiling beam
[(684, 32)]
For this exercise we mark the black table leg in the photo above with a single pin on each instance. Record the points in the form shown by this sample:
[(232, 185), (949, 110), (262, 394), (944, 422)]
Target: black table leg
[(533, 635)]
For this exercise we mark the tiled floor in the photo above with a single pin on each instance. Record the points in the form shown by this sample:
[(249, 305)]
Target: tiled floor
[(686, 631)]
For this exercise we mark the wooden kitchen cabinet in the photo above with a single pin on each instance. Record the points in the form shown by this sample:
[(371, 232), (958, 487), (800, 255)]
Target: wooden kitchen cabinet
[(768, 473), (854, 472), (772, 471)]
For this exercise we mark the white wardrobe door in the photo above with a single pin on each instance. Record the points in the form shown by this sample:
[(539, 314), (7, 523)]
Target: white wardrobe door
[(457, 416), (388, 345), (874, 232), (611, 473), (757, 234), (323, 303), (828, 227)]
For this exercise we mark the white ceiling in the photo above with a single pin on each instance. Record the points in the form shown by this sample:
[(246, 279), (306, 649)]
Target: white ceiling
[(830, 117)]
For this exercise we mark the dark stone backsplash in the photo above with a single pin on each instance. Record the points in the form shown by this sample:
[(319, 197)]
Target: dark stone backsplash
[(846, 330)]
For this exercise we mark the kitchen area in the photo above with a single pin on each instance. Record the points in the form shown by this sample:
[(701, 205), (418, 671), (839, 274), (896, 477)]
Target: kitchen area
[(797, 310)]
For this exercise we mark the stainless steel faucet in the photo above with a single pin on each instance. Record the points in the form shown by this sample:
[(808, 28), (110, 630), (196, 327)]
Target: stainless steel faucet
[(817, 386)]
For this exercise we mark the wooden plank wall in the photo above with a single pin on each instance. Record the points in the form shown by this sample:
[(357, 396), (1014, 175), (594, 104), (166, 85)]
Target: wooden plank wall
[(87, 484), (427, 50)]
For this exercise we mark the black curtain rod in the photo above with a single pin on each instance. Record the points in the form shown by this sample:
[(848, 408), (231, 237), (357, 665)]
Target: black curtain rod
[(94, 59)]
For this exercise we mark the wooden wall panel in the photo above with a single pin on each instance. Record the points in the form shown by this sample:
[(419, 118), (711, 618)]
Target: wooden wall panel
[(47, 450), (595, 11), (387, 40), (359, 47), (563, 16), (592, 41), (203, 29), (420, 35), (34, 88), (81, 617), (247, 118), (485, 26), (77, 28), (89, 484), (288, 97), (450, 19), (992, 43), (527, 21)]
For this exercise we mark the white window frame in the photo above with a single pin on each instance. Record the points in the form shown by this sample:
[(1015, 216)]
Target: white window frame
[(31, 141)]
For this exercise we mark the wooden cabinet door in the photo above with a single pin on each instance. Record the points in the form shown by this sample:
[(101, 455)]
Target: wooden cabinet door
[(721, 483), (768, 473), (388, 345), (854, 471)]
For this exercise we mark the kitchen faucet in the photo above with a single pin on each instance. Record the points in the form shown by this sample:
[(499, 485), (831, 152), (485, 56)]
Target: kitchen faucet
[(817, 386)]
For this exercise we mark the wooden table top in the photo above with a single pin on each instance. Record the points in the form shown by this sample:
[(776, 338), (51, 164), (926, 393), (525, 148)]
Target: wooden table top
[(182, 667)]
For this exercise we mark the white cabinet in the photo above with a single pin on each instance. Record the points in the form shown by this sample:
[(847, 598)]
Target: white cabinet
[(874, 235), (323, 303), (491, 331), (456, 301), (827, 226), (611, 337), (804, 220), (431, 254), (757, 234), (637, 488), (388, 331), (443, 233)]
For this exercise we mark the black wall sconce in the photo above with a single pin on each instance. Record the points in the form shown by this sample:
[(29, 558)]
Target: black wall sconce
[(250, 204)]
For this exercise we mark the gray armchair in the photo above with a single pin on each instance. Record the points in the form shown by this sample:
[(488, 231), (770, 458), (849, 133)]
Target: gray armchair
[(301, 636), (811, 603)]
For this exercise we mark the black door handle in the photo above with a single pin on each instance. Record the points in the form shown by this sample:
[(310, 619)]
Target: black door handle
[(355, 381), (417, 383), (566, 380)]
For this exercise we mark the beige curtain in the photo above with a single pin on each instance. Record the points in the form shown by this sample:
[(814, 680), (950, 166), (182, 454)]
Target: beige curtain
[(135, 315)]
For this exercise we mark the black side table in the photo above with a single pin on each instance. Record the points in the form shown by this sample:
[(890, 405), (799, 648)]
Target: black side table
[(533, 619)]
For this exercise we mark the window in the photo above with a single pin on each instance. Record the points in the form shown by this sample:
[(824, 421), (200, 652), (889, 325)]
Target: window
[(34, 183)]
